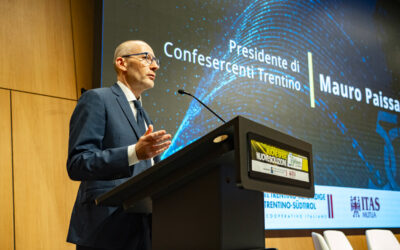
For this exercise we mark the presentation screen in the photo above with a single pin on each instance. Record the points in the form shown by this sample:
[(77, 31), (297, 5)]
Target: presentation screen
[(326, 72)]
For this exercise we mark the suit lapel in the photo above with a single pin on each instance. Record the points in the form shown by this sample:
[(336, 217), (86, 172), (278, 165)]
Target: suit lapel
[(124, 104), (147, 118)]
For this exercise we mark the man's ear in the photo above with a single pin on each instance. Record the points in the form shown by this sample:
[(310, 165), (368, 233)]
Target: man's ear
[(120, 64)]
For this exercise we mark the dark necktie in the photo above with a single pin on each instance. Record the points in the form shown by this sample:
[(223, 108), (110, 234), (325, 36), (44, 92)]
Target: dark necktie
[(140, 117)]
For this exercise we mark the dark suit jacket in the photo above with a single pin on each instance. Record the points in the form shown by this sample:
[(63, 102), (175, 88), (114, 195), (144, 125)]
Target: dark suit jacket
[(102, 127)]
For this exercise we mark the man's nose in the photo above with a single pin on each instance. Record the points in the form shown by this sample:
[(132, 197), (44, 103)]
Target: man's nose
[(154, 66)]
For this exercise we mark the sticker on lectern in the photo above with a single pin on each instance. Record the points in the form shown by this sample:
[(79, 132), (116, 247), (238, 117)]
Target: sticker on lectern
[(276, 162)]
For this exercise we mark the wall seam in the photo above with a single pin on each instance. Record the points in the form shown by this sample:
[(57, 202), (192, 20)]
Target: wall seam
[(12, 165), (39, 94), (73, 49)]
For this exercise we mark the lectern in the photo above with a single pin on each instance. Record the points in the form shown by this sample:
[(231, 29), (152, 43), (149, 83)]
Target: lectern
[(209, 195)]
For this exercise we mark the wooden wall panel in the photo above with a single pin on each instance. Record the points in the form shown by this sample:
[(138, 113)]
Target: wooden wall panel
[(289, 243), (359, 242), (6, 192), (43, 193), (37, 50), (82, 25)]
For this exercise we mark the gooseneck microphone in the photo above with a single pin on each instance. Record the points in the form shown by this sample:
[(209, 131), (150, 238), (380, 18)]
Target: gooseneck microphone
[(182, 92)]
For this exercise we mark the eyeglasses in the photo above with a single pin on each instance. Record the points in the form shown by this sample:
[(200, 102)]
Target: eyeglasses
[(147, 57)]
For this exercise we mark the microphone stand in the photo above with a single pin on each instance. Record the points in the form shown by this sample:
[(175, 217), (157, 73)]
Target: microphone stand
[(182, 92)]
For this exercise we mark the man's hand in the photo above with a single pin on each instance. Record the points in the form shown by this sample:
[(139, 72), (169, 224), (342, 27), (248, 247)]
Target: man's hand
[(152, 143)]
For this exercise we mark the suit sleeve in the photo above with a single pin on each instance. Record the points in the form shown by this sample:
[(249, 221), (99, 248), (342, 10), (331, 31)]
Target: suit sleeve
[(87, 160)]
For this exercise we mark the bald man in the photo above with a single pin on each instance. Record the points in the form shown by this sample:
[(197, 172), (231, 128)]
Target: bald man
[(111, 140)]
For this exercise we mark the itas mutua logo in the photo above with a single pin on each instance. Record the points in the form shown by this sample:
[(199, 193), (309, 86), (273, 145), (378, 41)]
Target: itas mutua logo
[(365, 207)]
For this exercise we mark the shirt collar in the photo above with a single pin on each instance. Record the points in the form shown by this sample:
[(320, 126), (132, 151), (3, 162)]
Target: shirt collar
[(128, 93)]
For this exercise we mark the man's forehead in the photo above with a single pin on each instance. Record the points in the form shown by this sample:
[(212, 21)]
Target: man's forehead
[(139, 47)]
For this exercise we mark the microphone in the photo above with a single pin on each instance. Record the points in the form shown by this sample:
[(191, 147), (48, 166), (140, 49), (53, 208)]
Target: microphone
[(182, 92)]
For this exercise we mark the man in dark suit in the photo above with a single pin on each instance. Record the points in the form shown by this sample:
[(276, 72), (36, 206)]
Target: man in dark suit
[(111, 140)]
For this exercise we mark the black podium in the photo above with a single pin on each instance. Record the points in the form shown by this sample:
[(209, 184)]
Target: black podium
[(209, 195)]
